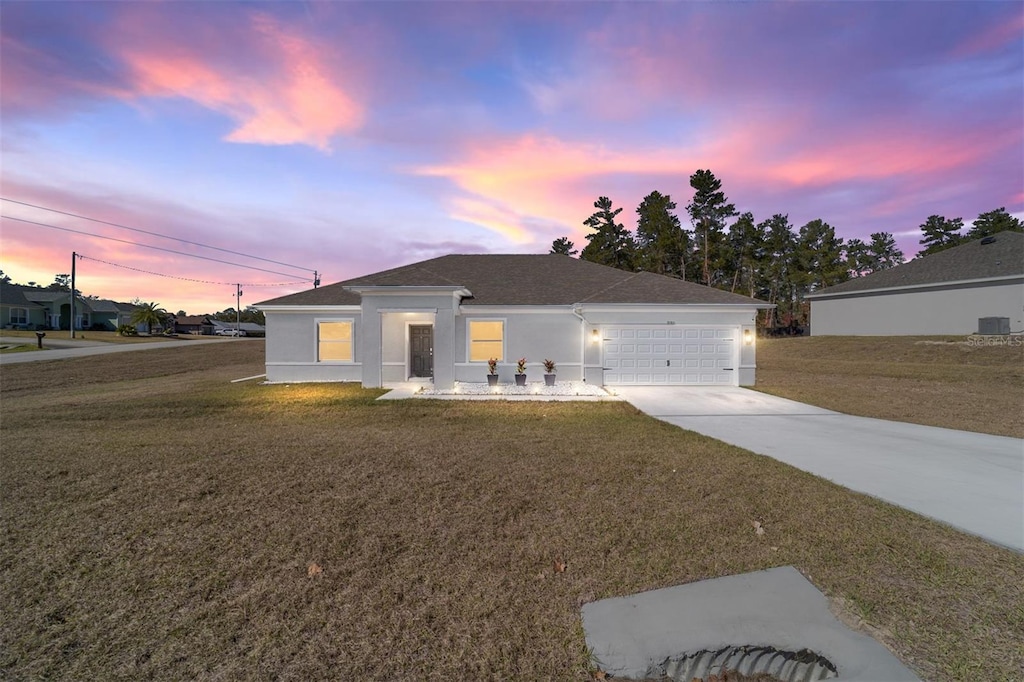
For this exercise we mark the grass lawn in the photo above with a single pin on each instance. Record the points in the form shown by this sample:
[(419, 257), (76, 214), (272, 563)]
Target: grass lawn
[(925, 380), (87, 335), (159, 522), (18, 348)]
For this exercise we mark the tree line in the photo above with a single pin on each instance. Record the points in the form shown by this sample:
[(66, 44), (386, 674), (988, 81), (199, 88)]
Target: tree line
[(769, 259)]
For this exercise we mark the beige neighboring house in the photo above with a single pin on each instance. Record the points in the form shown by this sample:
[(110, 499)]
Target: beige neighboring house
[(442, 319), (945, 293)]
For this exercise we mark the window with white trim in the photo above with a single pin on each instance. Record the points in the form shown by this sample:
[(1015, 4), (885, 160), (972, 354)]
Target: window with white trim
[(334, 341), (19, 315), (486, 340)]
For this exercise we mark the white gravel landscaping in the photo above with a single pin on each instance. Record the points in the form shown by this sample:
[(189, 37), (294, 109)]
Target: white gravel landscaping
[(533, 390)]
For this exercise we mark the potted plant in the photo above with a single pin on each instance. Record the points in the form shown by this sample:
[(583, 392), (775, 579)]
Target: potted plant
[(521, 372), (492, 372), (549, 372)]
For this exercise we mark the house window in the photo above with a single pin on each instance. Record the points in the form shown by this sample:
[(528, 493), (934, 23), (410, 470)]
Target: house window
[(334, 341), (486, 340), (19, 315)]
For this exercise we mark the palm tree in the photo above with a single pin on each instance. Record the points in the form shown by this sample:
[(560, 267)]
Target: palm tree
[(149, 314)]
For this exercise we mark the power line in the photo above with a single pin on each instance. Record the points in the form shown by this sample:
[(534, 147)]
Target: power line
[(153, 234), (190, 279), (148, 246)]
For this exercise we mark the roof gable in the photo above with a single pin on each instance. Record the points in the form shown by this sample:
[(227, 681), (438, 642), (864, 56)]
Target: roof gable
[(14, 296), (525, 279), (1001, 256)]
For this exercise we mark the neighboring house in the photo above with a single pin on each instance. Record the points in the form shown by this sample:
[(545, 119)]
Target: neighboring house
[(103, 314), (17, 312), (943, 293), (125, 311), (58, 308), (193, 324), (443, 318)]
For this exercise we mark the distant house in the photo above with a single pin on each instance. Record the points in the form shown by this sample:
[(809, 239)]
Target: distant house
[(249, 328), (58, 308), (193, 324), (444, 318), (17, 312), (944, 293), (105, 314)]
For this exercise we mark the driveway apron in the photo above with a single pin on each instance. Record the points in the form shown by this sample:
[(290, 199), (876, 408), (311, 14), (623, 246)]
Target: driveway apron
[(972, 481)]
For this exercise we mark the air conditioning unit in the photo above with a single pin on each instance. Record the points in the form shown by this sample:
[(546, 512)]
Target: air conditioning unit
[(993, 325)]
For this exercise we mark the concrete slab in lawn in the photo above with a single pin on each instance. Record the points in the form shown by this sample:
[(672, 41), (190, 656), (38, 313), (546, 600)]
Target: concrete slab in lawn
[(973, 481), (777, 607)]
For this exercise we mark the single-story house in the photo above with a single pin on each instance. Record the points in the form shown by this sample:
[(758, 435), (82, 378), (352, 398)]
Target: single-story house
[(943, 293), (106, 314), (58, 307), (17, 312), (90, 313), (193, 324), (444, 318)]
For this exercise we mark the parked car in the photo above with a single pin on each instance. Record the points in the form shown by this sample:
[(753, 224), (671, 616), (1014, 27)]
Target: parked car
[(230, 332)]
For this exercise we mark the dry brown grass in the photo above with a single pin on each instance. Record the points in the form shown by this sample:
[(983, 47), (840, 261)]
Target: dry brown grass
[(163, 523), (911, 379)]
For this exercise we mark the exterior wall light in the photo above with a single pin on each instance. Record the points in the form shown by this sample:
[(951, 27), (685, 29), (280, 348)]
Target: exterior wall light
[(595, 335), (748, 337)]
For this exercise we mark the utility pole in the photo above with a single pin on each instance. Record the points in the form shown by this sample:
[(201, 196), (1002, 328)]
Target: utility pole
[(238, 310), (316, 279), (71, 324)]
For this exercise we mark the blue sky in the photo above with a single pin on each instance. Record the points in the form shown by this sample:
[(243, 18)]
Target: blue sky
[(350, 137)]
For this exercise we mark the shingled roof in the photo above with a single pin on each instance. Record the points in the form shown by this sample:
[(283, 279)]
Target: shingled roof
[(1002, 255), (14, 296), (523, 279)]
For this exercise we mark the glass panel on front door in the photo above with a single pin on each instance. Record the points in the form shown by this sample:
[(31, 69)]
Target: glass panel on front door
[(421, 351)]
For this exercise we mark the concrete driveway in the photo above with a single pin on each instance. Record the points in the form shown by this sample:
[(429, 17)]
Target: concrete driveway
[(972, 481)]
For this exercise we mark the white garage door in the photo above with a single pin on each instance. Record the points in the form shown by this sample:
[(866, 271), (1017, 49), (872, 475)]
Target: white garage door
[(669, 355)]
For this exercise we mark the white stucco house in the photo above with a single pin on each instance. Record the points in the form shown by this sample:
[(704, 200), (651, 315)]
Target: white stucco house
[(944, 293), (443, 318)]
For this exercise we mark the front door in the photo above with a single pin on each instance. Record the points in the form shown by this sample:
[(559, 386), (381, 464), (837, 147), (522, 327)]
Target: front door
[(421, 350)]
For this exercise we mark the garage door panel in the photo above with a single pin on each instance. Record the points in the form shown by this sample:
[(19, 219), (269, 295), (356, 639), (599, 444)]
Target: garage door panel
[(700, 355)]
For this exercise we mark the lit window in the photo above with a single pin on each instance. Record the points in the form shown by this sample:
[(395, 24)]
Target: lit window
[(19, 315), (486, 340), (334, 341)]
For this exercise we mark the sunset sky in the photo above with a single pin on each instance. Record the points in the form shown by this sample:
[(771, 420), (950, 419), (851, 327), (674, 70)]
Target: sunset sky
[(351, 137)]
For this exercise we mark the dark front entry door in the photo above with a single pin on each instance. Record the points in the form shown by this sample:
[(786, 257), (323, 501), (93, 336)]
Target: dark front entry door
[(421, 350)]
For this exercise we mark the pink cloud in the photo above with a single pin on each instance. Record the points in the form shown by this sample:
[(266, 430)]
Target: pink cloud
[(35, 80), (291, 95), (992, 38), (123, 271)]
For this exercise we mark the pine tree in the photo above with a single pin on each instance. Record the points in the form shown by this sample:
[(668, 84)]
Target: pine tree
[(819, 257), (779, 266), (662, 244), (993, 222), (610, 243), (883, 252), (708, 211), (858, 260), (747, 242), (563, 246), (939, 234)]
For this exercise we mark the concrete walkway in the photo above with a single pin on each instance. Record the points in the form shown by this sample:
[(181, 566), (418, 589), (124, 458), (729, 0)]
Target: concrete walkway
[(972, 481), (630, 636), (82, 348)]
